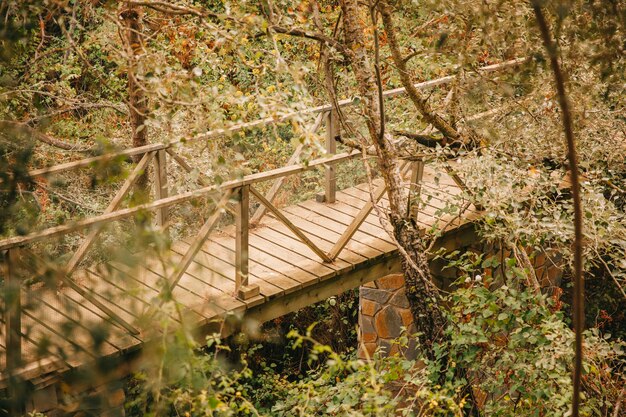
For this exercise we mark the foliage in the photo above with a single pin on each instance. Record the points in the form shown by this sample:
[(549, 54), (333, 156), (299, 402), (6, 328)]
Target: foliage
[(64, 72)]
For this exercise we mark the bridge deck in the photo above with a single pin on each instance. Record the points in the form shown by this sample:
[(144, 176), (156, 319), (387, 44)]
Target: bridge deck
[(279, 263)]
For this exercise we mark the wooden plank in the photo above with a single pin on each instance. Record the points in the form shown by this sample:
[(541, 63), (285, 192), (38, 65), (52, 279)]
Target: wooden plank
[(318, 226), (352, 205), (124, 293), (199, 239), (339, 222), (299, 233), (269, 260), (305, 265), (430, 205), (215, 263), (321, 269), (119, 337), (35, 260), (74, 316), (189, 299), (113, 205), (270, 282), (48, 327), (209, 293), (258, 268), (356, 223), (347, 257), (283, 238)]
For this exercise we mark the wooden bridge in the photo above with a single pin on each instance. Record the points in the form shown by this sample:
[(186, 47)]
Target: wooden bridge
[(265, 265)]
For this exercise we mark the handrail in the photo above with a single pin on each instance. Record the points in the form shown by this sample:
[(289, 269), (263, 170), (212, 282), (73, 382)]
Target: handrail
[(169, 201), (257, 123)]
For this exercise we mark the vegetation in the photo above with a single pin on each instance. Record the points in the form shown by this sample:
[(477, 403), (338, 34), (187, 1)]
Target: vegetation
[(539, 144)]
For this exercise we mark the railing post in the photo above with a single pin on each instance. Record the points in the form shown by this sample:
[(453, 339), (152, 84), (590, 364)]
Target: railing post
[(417, 173), (242, 289), (13, 329), (160, 185), (332, 131)]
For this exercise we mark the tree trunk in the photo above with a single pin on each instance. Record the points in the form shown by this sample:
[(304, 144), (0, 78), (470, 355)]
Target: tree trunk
[(136, 98), (423, 296)]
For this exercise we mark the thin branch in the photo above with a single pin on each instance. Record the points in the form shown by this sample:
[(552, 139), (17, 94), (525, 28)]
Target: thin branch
[(579, 306), (49, 140), (320, 37)]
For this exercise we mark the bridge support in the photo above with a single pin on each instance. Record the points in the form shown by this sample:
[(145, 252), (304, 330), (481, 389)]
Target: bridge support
[(384, 315)]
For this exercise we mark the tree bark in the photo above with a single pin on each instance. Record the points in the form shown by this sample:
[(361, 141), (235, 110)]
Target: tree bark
[(136, 98), (423, 296)]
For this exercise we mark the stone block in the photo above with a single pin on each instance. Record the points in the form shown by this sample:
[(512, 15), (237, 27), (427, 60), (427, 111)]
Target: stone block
[(369, 337), (385, 347), (44, 400), (388, 323), (391, 282), (367, 350), (366, 325), (540, 260), (406, 316), (369, 307), (380, 296), (117, 398), (399, 299)]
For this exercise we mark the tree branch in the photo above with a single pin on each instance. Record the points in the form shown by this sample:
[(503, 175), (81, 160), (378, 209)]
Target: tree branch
[(320, 37), (579, 306)]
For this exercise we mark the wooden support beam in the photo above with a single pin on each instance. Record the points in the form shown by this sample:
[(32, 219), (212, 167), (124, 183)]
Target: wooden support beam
[(242, 230), (160, 186), (202, 180), (197, 242), (278, 183), (356, 223), (291, 226), (113, 205), (330, 178), (323, 290), (415, 188)]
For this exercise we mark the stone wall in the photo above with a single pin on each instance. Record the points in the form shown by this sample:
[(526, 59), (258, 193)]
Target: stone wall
[(383, 316)]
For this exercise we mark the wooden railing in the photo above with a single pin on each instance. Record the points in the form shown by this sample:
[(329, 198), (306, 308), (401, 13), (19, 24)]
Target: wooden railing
[(238, 190)]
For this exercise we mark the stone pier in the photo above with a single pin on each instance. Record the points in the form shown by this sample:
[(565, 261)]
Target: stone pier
[(384, 315)]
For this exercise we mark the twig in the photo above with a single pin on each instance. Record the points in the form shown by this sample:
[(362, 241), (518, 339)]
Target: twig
[(67, 199), (49, 140), (579, 306)]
